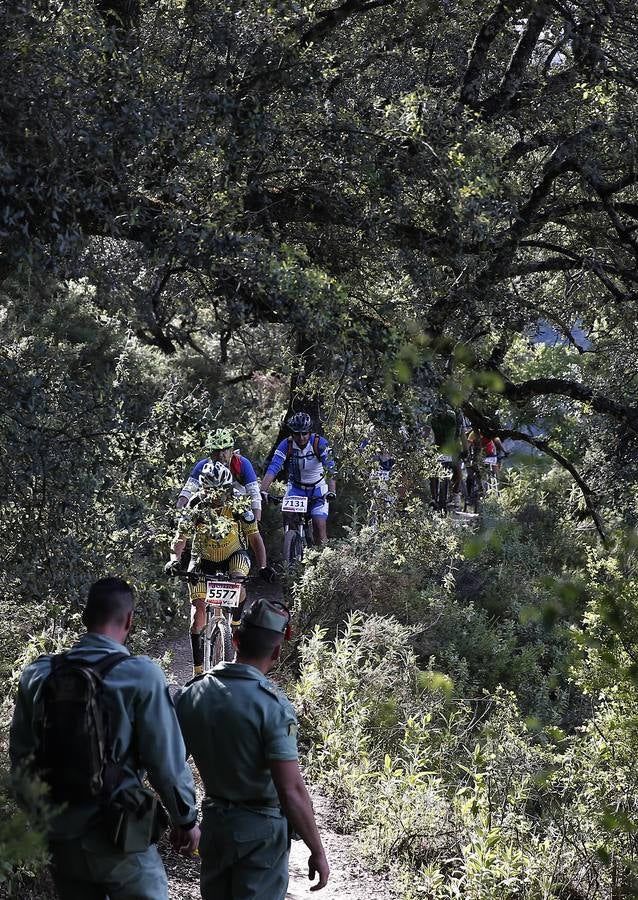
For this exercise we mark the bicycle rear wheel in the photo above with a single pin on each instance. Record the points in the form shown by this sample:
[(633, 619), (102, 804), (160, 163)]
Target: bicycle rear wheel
[(442, 495), (491, 482), (473, 488), (294, 546), (222, 642)]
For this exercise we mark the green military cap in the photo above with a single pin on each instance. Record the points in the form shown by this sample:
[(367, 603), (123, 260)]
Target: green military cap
[(270, 614)]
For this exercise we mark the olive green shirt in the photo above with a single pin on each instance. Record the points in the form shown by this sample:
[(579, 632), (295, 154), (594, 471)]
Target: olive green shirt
[(146, 735), (234, 722)]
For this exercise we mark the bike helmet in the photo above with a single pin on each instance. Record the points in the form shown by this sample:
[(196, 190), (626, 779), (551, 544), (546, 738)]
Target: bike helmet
[(215, 476), (300, 423), (222, 439)]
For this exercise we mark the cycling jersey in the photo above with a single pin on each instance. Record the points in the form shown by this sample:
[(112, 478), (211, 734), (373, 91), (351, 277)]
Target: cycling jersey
[(384, 466), (245, 479), (487, 444), (208, 544), (305, 468), (446, 428)]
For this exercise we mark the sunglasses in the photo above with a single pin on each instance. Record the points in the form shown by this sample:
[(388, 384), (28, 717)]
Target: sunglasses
[(301, 433)]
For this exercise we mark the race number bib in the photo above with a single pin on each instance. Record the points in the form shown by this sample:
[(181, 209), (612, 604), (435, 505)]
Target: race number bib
[(223, 593), (490, 461), (292, 504)]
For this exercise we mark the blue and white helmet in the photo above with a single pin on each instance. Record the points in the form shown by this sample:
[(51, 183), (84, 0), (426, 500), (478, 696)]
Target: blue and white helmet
[(300, 423), (215, 476)]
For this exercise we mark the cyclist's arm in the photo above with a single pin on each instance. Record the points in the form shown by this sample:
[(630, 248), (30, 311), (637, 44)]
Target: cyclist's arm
[(257, 546), (178, 545), (249, 481), (276, 465), (328, 462), (191, 485), (251, 484)]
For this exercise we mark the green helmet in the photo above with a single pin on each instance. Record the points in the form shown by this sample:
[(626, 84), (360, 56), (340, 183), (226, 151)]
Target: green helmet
[(222, 439)]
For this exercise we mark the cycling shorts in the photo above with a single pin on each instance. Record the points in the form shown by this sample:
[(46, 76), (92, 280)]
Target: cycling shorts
[(317, 503), (239, 562)]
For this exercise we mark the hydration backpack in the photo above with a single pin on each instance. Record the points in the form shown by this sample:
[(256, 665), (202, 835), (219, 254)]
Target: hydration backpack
[(315, 447), (76, 752), (235, 464)]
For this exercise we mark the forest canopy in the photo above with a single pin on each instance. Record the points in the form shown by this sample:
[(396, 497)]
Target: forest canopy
[(216, 212)]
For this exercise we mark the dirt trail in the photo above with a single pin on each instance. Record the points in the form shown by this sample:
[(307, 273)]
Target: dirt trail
[(349, 878)]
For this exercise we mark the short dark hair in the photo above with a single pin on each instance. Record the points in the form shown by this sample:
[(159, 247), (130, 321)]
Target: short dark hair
[(110, 600), (255, 642)]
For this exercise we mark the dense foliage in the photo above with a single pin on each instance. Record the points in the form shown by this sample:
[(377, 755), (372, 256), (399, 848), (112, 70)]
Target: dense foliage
[(218, 211)]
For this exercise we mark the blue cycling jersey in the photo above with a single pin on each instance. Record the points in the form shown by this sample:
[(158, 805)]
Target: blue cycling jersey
[(305, 468), (243, 475)]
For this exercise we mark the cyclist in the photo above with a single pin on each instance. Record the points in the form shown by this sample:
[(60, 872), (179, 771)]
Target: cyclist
[(220, 446), (219, 529), (485, 444), (449, 437), (489, 446), (309, 459)]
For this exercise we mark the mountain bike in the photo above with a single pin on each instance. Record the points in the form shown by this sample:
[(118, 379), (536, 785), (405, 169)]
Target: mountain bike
[(473, 481), (491, 474), (297, 527), (223, 596), (481, 479), (440, 486)]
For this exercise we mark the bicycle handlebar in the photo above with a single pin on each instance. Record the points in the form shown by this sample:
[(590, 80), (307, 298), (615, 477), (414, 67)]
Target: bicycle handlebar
[(213, 576)]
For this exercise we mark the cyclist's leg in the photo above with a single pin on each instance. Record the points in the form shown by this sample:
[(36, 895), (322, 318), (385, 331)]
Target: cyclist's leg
[(319, 509), (197, 594), (457, 475)]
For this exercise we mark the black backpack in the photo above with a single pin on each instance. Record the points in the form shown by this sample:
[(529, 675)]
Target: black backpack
[(76, 754)]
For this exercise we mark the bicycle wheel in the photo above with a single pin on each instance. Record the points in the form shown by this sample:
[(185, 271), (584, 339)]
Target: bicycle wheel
[(309, 533), (473, 485), (209, 630), (222, 642), (491, 482), (294, 545), (442, 495)]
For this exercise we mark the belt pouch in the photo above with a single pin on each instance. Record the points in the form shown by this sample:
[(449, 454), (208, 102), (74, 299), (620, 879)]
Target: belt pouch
[(132, 820)]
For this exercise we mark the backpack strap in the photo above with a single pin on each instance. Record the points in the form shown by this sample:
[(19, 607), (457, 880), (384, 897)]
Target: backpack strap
[(104, 666), (315, 447), (101, 668)]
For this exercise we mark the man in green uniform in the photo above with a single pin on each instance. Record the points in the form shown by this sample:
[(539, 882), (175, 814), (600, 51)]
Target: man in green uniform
[(145, 738), (242, 733)]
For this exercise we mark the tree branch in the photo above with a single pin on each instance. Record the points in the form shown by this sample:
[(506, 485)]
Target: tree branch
[(471, 86), (563, 387), (490, 427)]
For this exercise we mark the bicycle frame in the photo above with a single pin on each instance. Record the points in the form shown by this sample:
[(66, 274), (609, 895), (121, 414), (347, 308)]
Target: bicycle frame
[(440, 486), (297, 535), (217, 633)]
